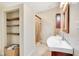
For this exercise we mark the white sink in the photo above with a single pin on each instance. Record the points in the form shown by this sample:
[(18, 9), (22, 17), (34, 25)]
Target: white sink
[(55, 43), (55, 37)]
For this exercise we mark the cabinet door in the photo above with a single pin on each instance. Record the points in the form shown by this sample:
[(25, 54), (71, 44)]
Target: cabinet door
[(55, 53)]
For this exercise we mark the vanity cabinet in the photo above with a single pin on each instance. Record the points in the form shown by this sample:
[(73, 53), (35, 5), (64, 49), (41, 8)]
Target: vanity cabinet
[(55, 53)]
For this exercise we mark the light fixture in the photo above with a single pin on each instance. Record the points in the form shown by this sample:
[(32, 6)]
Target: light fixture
[(62, 4), (65, 6)]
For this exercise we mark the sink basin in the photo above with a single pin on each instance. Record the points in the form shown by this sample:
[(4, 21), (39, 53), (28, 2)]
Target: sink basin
[(56, 37), (55, 43), (55, 40)]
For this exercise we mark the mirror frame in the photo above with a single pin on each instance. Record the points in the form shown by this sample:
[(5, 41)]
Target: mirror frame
[(66, 19)]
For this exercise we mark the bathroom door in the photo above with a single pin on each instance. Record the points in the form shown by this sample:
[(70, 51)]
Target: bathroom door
[(37, 29)]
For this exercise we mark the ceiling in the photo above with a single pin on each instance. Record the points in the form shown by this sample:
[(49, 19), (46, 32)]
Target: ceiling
[(36, 6), (42, 6)]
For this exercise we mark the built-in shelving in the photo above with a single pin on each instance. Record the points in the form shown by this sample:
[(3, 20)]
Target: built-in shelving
[(9, 25), (13, 33), (12, 25), (13, 19)]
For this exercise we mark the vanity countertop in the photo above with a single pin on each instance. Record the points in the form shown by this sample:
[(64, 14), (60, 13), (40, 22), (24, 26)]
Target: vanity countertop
[(59, 45)]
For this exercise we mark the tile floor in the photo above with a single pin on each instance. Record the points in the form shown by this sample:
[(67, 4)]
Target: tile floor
[(41, 50)]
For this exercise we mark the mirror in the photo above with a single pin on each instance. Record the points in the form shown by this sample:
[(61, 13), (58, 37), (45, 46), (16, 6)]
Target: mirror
[(58, 20), (58, 23), (66, 19)]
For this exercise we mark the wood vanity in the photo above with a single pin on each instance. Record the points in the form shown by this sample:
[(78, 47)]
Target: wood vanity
[(55, 53), (59, 47)]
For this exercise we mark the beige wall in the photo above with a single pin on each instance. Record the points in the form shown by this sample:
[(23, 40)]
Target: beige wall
[(48, 22), (28, 30), (1, 53), (74, 27), (2, 31)]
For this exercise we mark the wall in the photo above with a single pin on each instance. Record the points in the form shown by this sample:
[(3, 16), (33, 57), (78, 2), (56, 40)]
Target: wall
[(74, 27), (2, 30), (29, 30), (48, 22)]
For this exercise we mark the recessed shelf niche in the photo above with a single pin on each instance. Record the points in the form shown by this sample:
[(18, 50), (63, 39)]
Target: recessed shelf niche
[(12, 20)]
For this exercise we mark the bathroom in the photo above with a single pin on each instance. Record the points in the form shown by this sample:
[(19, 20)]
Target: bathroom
[(40, 28), (66, 30)]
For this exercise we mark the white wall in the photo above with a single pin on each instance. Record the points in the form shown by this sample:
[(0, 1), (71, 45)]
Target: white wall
[(29, 30), (74, 27), (48, 22), (2, 31)]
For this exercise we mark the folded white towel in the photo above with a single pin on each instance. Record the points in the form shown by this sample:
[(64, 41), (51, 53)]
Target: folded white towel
[(12, 47)]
